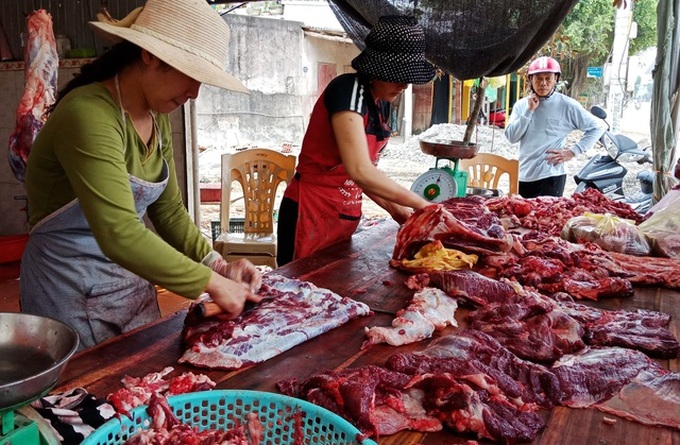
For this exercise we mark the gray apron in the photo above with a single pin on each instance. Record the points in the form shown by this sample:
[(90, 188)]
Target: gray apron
[(65, 275)]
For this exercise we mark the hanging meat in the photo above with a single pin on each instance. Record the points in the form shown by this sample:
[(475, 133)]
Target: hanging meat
[(40, 88)]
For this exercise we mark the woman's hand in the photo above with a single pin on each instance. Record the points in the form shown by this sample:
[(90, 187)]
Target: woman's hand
[(241, 271), (230, 295), (400, 213)]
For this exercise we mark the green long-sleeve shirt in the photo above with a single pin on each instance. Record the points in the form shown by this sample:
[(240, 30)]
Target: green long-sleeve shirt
[(80, 153)]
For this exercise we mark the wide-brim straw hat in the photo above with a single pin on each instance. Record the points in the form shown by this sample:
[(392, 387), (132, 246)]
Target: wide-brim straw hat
[(395, 52), (188, 35)]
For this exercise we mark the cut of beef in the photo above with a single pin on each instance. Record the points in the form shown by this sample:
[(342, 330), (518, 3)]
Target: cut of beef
[(474, 353), (437, 222), (596, 374), (374, 399), (472, 287), (470, 404), (650, 398), (292, 312), (641, 329), (553, 265), (533, 328)]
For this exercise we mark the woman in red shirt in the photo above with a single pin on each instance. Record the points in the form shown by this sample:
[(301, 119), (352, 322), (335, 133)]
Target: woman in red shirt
[(347, 131)]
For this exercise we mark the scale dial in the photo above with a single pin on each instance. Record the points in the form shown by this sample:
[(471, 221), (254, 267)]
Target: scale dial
[(435, 185)]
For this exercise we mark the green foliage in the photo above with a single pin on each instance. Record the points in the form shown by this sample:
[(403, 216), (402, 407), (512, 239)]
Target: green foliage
[(589, 28), (644, 13), (586, 36)]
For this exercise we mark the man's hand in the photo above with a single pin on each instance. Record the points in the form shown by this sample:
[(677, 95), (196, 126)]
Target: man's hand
[(533, 101), (556, 157)]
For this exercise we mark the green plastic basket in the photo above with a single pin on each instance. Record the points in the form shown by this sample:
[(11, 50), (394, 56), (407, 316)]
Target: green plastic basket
[(224, 409)]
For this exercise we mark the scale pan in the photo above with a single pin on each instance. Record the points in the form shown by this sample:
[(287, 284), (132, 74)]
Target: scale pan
[(446, 148)]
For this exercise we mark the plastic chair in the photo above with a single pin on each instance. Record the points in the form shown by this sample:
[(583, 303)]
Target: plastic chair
[(486, 169), (259, 171)]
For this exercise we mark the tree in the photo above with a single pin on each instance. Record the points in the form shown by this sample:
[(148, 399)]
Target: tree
[(585, 39)]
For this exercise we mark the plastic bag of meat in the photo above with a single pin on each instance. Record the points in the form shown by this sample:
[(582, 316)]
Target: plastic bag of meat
[(661, 229), (610, 232)]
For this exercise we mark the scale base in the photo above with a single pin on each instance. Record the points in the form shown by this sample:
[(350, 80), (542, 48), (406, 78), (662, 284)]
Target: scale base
[(24, 431)]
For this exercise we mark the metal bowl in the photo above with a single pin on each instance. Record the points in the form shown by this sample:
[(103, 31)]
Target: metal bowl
[(445, 148), (33, 353)]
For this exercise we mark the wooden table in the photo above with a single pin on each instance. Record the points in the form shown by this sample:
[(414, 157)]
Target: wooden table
[(358, 269)]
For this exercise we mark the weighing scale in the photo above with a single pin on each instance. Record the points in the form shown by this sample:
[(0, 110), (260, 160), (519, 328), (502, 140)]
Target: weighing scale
[(441, 183)]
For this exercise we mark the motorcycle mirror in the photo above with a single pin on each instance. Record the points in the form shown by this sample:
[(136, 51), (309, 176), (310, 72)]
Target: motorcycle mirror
[(598, 112)]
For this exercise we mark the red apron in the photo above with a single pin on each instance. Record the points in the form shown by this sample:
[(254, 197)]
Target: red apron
[(329, 205)]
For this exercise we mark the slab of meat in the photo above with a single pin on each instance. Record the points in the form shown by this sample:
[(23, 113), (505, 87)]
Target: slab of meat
[(469, 404), (533, 328), (597, 374), (640, 329), (647, 271), (374, 399), (472, 287), (650, 398), (553, 265), (293, 312), (437, 222), (430, 310), (478, 355), (40, 88)]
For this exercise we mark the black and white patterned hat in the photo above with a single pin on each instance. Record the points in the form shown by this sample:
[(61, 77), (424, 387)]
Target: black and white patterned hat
[(395, 52)]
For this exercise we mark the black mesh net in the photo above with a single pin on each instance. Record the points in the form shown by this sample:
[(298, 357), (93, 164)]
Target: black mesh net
[(465, 38)]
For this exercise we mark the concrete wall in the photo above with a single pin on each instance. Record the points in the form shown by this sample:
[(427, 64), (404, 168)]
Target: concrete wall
[(319, 49), (265, 55)]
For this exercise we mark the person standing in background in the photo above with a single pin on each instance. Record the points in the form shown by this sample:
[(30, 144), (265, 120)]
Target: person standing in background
[(540, 123), (347, 131), (104, 159)]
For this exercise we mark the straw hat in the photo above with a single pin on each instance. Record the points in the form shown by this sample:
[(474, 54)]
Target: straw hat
[(186, 34), (395, 52)]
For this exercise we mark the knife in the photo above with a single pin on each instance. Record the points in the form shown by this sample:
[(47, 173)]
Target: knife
[(207, 309)]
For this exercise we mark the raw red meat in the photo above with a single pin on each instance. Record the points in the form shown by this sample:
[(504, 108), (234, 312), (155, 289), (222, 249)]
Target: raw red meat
[(472, 230), (41, 66), (138, 391), (532, 328), (445, 384), (597, 374), (650, 398), (549, 214), (375, 399), (641, 329), (474, 353), (472, 287), (292, 312), (166, 429)]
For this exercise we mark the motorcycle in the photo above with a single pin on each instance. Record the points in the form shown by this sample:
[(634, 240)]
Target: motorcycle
[(606, 173)]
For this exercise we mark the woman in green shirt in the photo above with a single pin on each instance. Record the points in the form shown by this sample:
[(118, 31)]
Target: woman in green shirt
[(104, 159)]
